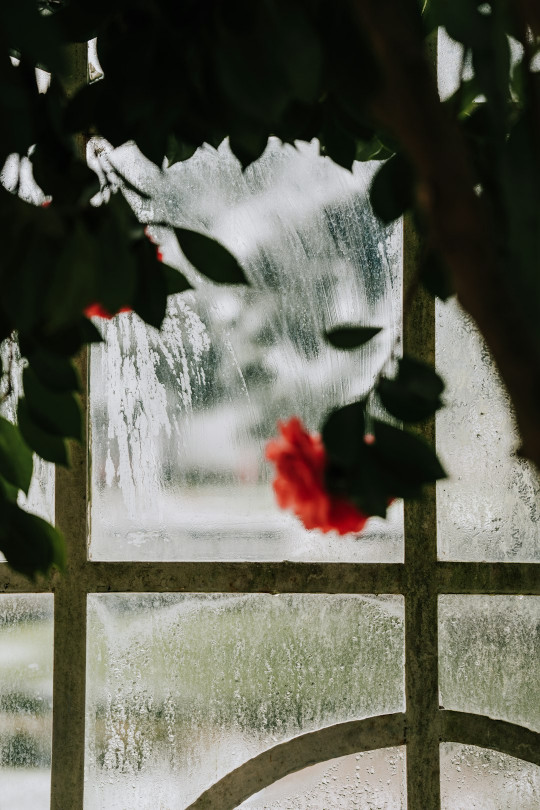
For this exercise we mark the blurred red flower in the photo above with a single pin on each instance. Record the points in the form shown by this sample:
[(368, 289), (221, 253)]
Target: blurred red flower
[(96, 310), (300, 460)]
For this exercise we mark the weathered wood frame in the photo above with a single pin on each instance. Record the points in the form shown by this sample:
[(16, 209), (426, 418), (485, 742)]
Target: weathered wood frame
[(421, 579)]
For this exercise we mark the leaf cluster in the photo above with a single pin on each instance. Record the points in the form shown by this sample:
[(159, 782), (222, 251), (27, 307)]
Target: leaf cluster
[(370, 461)]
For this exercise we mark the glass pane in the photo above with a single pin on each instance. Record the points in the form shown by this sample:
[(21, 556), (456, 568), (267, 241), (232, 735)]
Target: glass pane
[(180, 419), (183, 688), (489, 649), (40, 500), (488, 509), (374, 779), (478, 778), (26, 659)]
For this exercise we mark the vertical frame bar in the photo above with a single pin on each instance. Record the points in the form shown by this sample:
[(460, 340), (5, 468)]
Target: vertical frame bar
[(421, 620), (71, 500)]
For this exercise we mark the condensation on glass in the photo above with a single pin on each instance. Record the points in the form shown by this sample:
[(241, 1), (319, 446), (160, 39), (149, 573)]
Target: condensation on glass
[(489, 507), (475, 778), (180, 418), (40, 499), (26, 660), (489, 648), (369, 780), (181, 689)]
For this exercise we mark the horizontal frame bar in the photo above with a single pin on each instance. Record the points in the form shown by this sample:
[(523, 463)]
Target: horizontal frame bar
[(281, 577)]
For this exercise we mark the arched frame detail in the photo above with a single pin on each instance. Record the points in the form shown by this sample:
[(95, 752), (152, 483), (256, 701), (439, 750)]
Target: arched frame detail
[(382, 731)]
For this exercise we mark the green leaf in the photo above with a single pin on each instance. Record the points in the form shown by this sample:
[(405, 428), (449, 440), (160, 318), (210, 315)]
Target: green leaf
[(407, 456), (49, 447), (351, 337), (57, 373), (30, 544), (210, 257), (392, 189), (16, 464), (435, 277), (174, 280), (74, 283), (56, 412), (338, 143), (414, 394), (343, 433), (68, 341)]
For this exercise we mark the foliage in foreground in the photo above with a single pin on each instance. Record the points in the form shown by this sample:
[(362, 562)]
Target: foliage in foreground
[(354, 75)]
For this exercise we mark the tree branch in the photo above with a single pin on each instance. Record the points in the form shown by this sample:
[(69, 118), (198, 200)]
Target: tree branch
[(408, 106)]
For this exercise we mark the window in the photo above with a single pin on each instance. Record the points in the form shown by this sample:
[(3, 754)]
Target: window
[(209, 654)]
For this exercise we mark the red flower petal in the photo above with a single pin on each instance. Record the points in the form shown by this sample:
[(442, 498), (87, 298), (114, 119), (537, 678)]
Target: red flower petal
[(96, 310), (300, 460)]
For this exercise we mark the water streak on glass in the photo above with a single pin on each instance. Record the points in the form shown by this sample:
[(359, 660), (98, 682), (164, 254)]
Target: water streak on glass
[(489, 648), (475, 778), (184, 688), (26, 658), (40, 499), (180, 418), (489, 507), (372, 780)]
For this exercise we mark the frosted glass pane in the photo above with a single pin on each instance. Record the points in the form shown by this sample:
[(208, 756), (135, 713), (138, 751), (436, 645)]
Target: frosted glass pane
[(180, 419), (479, 779), (489, 650), (26, 658), (488, 509), (184, 688), (40, 500), (372, 779)]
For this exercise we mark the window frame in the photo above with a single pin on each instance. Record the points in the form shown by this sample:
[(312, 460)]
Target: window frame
[(421, 578)]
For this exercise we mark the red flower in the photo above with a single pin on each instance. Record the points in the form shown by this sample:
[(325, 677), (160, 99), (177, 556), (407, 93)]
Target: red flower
[(96, 310), (300, 459)]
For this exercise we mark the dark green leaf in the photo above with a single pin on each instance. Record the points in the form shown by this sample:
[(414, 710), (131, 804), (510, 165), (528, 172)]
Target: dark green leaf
[(16, 464), (210, 257), (56, 372), (49, 447), (351, 337), (435, 277), (30, 544), (392, 189), (150, 299), (343, 433), (338, 143), (68, 341), (406, 455), (174, 280), (56, 412), (414, 394)]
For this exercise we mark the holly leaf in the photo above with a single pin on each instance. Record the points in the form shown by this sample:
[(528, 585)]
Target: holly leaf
[(351, 337), (210, 257), (16, 463)]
